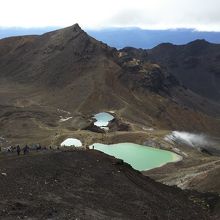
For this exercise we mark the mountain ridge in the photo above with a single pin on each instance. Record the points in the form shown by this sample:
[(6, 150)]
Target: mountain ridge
[(67, 69)]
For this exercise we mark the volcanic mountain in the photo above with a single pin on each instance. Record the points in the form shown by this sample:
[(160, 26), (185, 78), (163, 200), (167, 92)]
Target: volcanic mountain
[(196, 65), (52, 84), (70, 72)]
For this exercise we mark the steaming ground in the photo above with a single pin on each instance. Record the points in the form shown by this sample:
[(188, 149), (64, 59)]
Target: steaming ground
[(200, 166), (198, 141)]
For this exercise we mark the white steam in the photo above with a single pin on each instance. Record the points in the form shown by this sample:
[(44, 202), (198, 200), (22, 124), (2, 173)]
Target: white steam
[(190, 139)]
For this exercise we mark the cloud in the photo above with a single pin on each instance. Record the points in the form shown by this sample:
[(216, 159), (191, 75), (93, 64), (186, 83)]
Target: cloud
[(157, 14), (130, 17)]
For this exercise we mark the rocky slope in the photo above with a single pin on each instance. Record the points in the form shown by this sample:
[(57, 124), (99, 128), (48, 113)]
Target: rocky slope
[(90, 185), (196, 65)]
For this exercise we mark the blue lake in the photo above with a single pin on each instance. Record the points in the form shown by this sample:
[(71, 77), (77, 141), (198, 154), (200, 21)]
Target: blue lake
[(103, 119)]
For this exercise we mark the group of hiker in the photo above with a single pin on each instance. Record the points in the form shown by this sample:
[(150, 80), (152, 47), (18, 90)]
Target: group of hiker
[(25, 149), (18, 149)]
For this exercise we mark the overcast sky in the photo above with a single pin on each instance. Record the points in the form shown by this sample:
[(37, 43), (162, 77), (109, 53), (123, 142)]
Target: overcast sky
[(94, 14)]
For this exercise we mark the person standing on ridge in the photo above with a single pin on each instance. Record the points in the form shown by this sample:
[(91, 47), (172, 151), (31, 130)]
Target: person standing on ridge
[(18, 149), (25, 149)]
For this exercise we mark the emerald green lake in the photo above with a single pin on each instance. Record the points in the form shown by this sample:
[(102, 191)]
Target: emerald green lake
[(138, 156)]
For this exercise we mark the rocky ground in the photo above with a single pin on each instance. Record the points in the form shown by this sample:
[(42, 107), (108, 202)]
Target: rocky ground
[(200, 173), (80, 184)]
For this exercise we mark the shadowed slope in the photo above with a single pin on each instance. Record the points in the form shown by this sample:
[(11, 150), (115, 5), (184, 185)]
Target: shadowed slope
[(196, 65), (88, 185)]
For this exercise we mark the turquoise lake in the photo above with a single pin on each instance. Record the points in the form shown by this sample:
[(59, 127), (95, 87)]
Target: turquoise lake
[(102, 119), (138, 156)]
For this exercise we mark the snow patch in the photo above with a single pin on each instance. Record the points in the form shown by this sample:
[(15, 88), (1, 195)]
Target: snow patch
[(147, 129), (69, 142), (62, 119)]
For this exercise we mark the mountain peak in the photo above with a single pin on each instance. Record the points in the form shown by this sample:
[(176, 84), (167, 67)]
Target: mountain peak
[(75, 28), (71, 29), (67, 31), (200, 43), (62, 36)]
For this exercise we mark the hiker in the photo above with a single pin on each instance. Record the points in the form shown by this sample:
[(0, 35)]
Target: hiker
[(25, 149), (38, 147), (13, 148), (18, 149)]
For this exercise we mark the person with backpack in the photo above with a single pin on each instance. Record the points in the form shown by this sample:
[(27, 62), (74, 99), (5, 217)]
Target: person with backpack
[(18, 149), (26, 149)]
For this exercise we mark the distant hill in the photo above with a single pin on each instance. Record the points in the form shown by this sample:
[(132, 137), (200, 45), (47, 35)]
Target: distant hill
[(196, 65), (138, 38), (17, 31), (133, 37)]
